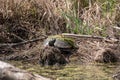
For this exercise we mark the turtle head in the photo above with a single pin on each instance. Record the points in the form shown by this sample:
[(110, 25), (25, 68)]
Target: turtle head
[(52, 41), (49, 42)]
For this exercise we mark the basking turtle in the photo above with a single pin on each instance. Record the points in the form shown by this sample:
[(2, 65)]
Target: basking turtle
[(57, 50), (66, 45), (61, 42)]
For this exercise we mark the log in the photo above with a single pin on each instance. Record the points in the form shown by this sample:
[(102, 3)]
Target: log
[(78, 36), (9, 72), (82, 36)]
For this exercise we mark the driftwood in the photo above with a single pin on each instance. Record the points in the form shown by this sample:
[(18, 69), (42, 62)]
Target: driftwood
[(9, 72)]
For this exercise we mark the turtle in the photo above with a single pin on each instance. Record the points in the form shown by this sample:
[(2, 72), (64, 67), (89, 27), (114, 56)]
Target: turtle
[(66, 45), (61, 42)]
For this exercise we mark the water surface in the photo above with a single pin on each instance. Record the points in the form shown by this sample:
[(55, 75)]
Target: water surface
[(72, 71)]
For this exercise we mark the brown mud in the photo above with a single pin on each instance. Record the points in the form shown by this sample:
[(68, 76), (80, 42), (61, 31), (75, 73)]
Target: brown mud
[(88, 51)]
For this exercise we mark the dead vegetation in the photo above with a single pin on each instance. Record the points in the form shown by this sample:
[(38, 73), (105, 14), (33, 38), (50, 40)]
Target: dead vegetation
[(23, 21), (30, 19), (106, 56)]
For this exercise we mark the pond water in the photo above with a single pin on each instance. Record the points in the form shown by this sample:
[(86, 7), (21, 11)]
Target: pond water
[(72, 71)]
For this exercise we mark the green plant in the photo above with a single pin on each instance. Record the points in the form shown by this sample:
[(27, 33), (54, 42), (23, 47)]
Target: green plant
[(74, 23), (90, 17)]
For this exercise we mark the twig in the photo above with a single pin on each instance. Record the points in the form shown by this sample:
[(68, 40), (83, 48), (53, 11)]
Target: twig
[(17, 36), (115, 27)]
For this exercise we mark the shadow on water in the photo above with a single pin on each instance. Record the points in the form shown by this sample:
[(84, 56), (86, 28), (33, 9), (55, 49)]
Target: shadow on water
[(72, 71)]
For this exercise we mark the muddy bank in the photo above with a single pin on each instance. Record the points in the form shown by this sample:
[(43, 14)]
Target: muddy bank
[(88, 51)]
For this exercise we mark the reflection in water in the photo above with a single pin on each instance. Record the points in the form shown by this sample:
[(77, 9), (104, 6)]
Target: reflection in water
[(72, 71)]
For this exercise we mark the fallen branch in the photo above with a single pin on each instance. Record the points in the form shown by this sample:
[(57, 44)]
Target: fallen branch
[(78, 36), (20, 43), (82, 36), (9, 72)]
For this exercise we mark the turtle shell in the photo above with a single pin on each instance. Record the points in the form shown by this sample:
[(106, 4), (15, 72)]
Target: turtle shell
[(62, 44)]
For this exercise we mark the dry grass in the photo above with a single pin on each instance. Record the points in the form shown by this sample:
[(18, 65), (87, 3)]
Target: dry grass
[(22, 20), (30, 18), (27, 19), (96, 18)]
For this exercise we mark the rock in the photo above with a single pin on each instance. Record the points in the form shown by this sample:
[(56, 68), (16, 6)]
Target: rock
[(105, 56)]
